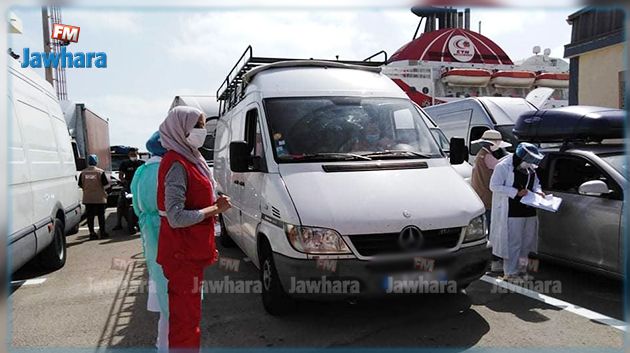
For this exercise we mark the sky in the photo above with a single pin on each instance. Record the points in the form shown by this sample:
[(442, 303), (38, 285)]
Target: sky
[(155, 54)]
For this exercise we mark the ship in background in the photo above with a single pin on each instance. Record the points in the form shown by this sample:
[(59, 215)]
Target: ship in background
[(449, 62)]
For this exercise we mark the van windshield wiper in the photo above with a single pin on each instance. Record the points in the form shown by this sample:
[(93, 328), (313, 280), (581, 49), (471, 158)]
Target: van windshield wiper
[(332, 155), (396, 153)]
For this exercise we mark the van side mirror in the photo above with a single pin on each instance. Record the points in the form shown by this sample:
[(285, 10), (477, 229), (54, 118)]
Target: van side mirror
[(240, 159), (458, 150), (593, 188)]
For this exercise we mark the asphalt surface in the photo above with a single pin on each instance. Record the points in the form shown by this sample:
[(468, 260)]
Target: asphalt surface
[(99, 300)]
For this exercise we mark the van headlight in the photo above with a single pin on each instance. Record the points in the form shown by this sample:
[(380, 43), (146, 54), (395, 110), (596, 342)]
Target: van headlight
[(313, 240), (476, 229)]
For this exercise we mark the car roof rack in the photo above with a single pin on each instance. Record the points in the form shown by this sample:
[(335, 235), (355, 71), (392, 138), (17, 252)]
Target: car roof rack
[(232, 90)]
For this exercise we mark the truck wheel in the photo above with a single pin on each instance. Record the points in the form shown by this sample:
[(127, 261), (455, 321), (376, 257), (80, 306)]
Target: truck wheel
[(225, 239), (54, 256), (275, 300)]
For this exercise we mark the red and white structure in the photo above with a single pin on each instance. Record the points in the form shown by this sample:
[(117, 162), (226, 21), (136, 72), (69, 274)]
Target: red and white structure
[(454, 62)]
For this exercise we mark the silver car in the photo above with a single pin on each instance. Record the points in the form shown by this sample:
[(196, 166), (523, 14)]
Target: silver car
[(587, 229)]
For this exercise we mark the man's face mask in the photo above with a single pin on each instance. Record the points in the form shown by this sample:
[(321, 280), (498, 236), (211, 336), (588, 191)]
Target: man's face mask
[(197, 137), (133, 158)]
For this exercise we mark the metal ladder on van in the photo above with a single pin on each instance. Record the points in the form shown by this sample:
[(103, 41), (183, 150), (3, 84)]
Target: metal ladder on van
[(232, 90)]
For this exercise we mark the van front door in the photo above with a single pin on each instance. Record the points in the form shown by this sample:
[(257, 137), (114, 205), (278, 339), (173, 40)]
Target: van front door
[(232, 217), (251, 190)]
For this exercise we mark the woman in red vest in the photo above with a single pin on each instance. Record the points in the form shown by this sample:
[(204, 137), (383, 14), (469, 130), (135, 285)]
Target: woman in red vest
[(187, 205)]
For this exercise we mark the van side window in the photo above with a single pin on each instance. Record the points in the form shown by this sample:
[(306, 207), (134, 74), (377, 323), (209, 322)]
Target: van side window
[(455, 123), (253, 137)]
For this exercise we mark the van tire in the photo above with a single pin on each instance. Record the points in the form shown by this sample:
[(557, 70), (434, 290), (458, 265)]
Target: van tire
[(225, 239), (74, 230), (54, 256), (275, 300)]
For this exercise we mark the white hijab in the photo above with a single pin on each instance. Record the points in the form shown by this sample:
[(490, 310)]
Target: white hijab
[(174, 131)]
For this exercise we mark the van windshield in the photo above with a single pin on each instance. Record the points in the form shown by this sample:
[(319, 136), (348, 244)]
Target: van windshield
[(347, 128)]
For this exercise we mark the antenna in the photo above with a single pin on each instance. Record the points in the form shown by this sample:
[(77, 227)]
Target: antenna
[(479, 27)]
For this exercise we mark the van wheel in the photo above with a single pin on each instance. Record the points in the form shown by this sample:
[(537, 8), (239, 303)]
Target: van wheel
[(275, 300), (74, 230), (54, 256), (225, 239)]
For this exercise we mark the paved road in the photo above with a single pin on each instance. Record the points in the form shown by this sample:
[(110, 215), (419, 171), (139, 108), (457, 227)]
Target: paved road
[(97, 299)]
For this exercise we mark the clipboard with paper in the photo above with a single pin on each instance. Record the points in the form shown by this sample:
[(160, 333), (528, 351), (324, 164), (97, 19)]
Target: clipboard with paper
[(548, 203)]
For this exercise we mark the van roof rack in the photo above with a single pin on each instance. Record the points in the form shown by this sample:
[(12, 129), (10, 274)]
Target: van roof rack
[(232, 90)]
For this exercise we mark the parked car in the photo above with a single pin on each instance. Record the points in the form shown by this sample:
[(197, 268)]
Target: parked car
[(44, 196), (588, 171), (471, 117), (307, 188)]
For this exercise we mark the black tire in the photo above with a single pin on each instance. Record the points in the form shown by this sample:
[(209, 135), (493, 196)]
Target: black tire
[(225, 239), (275, 300), (74, 230), (54, 256)]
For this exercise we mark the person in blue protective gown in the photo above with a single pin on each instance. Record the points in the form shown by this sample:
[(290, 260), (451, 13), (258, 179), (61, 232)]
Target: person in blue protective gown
[(144, 190)]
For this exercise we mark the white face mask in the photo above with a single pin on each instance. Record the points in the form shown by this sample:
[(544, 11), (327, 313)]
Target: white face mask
[(197, 137), (133, 159)]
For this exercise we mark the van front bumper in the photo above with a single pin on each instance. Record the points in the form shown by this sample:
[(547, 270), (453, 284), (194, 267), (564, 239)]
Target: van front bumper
[(353, 278)]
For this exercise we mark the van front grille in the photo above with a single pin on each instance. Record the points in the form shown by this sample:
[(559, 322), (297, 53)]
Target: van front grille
[(387, 244)]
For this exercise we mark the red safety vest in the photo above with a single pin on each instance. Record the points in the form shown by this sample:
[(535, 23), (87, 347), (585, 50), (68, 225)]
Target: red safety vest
[(194, 243)]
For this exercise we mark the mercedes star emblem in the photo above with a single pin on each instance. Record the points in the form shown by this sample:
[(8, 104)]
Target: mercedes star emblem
[(410, 238)]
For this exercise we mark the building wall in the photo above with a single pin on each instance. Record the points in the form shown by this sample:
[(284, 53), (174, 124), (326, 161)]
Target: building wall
[(599, 76)]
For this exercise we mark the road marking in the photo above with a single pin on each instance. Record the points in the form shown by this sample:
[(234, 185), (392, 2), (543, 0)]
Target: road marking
[(86, 228), (591, 315), (28, 282)]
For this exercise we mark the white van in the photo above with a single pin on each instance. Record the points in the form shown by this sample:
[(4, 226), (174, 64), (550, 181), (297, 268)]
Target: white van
[(43, 191), (322, 211)]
